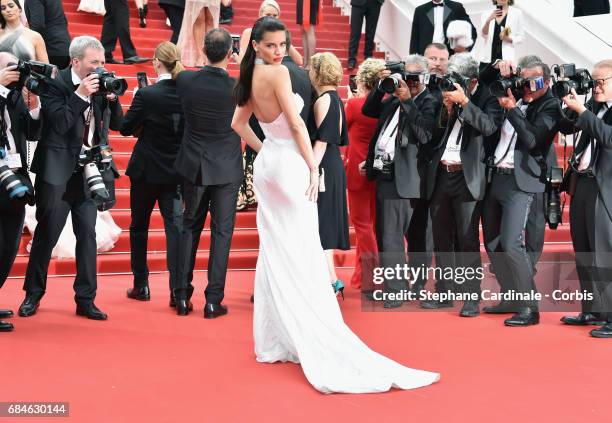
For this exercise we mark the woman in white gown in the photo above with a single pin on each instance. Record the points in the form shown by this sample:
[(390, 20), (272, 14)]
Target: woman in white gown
[(297, 317)]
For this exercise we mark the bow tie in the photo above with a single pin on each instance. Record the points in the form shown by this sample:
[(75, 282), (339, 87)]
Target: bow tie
[(438, 4)]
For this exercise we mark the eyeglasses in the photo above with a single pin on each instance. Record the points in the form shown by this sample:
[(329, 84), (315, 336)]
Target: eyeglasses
[(601, 82)]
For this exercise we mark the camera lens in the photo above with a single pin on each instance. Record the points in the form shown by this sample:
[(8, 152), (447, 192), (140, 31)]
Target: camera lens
[(390, 84)]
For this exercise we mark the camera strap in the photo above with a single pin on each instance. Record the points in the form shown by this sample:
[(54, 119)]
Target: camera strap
[(87, 121)]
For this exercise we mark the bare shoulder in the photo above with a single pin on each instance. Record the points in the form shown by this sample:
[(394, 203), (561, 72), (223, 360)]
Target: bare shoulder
[(277, 73), (246, 34), (36, 36)]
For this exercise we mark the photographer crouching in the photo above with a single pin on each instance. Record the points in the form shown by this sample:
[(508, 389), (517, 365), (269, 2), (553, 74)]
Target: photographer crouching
[(516, 172), (397, 163), (591, 205), (78, 107), (18, 122)]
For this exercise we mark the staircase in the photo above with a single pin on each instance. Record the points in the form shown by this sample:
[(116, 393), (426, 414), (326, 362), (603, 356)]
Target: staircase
[(332, 36)]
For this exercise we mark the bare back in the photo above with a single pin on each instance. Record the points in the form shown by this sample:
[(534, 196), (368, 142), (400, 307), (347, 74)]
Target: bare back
[(264, 101)]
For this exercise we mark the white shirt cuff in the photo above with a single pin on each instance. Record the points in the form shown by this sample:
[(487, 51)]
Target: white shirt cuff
[(4, 92), (82, 97)]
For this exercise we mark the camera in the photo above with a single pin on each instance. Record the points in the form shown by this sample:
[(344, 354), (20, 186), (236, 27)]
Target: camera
[(109, 83), (553, 197), (568, 77), (15, 185), (447, 82), (353, 83), (94, 160), (398, 73), (236, 43), (33, 75), (514, 83), (383, 164)]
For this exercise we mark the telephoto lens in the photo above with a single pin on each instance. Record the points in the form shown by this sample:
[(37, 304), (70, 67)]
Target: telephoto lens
[(11, 183), (95, 184), (390, 83)]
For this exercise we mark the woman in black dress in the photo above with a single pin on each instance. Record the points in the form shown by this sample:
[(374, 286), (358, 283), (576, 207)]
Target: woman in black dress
[(325, 75), (308, 15)]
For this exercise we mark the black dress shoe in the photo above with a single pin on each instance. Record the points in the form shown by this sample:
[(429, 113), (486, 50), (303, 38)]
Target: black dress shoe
[(183, 307), (603, 332), (172, 302), (113, 61), (91, 312), (470, 309), (29, 306), (212, 311), (5, 313), (225, 21), (436, 304), (135, 59), (141, 294), (525, 317), (6, 326), (502, 308), (582, 319), (352, 63)]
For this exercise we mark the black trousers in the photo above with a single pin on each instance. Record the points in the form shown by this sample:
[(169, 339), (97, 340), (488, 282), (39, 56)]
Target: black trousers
[(370, 12), (61, 62), (175, 15), (116, 24), (143, 196), (504, 215), (535, 230), (220, 200), (455, 217), (591, 231), (12, 214), (53, 203), (399, 220)]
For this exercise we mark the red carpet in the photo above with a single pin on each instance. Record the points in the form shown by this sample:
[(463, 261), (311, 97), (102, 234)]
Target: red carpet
[(145, 364)]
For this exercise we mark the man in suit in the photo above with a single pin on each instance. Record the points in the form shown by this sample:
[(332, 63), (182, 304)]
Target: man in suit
[(74, 120), (360, 9), (591, 206), (437, 55), (397, 163), (210, 162), (116, 24), (456, 179), (431, 20), (517, 170), (156, 115), (174, 11), (48, 19), (18, 124), (591, 7)]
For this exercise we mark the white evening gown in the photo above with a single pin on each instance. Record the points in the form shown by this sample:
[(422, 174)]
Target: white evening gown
[(297, 317)]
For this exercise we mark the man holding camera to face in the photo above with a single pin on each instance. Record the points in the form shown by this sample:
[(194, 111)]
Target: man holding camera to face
[(516, 172), (77, 113), (18, 122), (590, 210), (456, 178), (397, 162)]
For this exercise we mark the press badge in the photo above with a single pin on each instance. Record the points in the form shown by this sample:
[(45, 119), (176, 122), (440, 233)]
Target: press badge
[(378, 163)]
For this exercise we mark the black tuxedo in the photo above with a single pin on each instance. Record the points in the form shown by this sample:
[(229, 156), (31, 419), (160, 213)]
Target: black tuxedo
[(157, 115), (423, 24), (60, 185), (174, 11), (48, 19), (591, 7), (591, 207), (401, 206), (12, 211), (116, 24), (210, 161), (456, 193), (360, 9), (510, 195)]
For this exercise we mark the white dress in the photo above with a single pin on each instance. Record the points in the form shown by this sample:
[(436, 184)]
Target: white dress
[(297, 317)]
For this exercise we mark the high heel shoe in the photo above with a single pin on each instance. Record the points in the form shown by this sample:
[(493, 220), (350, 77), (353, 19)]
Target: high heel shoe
[(141, 16), (338, 287)]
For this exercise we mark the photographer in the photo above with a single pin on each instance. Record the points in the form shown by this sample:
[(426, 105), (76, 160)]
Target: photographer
[(17, 124), (395, 161), (517, 171), (456, 179), (76, 121), (156, 115), (591, 206)]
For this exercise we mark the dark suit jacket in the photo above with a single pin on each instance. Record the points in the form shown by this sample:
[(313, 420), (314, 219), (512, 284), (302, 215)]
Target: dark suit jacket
[(417, 118), (482, 118), (177, 3), (535, 130), (423, 24), (156, 113), (64, 125), (23, 128), (363, 2), (591, 7), (47, 18), (211, 152), (600, 130)]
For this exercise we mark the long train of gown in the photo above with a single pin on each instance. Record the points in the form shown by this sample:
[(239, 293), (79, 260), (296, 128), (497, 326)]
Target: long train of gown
[(297, 317)]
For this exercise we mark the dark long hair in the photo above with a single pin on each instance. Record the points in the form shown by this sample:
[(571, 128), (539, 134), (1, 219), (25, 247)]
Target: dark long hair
[(2, 21), (242, 91)]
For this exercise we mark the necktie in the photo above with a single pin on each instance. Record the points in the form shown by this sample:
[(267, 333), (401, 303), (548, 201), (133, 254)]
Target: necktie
[(438, 4)]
